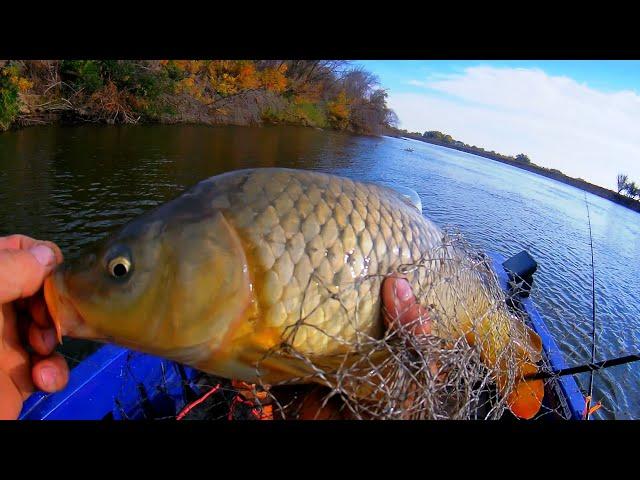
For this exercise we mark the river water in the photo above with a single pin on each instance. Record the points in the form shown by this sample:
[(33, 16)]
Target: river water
[(73, 185)]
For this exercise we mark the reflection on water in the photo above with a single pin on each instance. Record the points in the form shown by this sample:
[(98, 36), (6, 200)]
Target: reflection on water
[(74, 185)]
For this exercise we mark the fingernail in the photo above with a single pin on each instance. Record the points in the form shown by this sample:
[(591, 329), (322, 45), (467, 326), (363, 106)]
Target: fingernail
[(43, 254), (403, 290), (48, 376)]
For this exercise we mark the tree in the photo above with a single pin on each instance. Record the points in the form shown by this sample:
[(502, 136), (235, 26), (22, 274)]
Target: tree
[(357, 83), (632, 190), (392, 119), (371, 115), (441, 137), (622, 182), (339, 111), (523, 158)]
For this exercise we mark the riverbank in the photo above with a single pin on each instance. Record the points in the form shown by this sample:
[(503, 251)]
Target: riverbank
[(323, 94), (602, 192)]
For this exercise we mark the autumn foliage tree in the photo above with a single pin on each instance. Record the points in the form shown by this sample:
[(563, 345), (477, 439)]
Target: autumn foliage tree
[(320, 93), (339, 111)]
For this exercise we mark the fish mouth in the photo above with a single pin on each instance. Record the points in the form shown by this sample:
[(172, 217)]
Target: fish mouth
[(67, 320)]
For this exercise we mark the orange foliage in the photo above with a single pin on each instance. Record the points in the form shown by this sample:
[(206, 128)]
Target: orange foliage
[(226, 77), (182, 65), (24, 84), (111, 104), (339, 110), (247, 76), (274, 79)]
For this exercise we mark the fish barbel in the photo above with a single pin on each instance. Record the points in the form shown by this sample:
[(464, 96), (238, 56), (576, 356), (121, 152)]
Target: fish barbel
[(221, 275)]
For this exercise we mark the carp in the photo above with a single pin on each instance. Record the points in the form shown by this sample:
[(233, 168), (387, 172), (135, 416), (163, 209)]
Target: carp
[(243, 261)]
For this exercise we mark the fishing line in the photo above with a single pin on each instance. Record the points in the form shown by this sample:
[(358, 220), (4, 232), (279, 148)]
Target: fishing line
[(593, 303)]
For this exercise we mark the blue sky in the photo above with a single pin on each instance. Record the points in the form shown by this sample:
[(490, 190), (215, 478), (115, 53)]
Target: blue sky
[(582, 117)]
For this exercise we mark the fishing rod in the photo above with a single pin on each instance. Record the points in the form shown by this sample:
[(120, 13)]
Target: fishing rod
[(588, 367), (593, 303), (593, 366)]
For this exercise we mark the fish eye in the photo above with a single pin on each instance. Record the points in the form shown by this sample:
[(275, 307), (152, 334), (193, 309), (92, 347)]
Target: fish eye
[(119, 267)]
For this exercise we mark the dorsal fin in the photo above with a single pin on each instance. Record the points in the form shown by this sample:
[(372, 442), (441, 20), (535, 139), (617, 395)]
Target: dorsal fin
[(407, 194)]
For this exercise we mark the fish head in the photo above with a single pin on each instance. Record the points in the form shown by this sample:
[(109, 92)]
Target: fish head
[(171, 283), (105, 293)]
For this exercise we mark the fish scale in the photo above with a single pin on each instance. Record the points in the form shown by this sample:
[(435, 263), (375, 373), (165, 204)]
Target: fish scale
[(332, 242)]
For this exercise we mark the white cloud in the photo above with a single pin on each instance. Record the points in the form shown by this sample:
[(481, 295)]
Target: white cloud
[(557, 121), (418, 83)]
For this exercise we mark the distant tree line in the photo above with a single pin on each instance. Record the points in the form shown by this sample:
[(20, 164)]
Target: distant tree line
[(625, 187), (320, 93), (445, 139), (629, 200)]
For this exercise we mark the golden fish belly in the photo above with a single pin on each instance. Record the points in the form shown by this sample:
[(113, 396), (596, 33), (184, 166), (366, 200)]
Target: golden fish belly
[(318, 248)]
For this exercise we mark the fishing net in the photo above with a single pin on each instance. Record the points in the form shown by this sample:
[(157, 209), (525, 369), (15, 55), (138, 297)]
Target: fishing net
[(466, 367)]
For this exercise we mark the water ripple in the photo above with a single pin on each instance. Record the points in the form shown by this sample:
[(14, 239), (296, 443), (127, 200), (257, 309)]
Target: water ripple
[(75, 185)]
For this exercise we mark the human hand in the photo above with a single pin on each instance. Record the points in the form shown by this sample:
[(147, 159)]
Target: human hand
[(401, 309), (24, 320)]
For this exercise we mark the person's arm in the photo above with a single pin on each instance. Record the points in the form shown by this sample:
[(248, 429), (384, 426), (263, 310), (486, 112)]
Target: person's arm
[(24, 320)]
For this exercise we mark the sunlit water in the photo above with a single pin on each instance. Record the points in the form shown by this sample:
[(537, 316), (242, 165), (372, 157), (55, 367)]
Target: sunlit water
[(73, 185)]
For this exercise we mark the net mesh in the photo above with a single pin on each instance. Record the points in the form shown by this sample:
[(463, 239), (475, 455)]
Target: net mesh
[(465, 368)]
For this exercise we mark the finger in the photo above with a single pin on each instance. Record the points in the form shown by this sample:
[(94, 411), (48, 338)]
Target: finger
[(38, 311), (50, 374), (396, 296), (22, 242), (42, 340), (417, 318), (24, 271), (10, 398), (17, 242), (401, 307)]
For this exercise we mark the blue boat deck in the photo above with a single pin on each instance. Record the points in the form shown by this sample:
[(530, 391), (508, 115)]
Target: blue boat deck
[(571, 393), (118, 384)]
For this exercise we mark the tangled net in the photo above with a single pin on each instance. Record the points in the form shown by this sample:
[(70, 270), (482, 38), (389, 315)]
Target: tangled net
[(404, 375)]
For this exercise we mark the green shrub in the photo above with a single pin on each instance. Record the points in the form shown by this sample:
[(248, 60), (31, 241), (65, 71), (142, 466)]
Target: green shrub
[(146, 85), (305, 113), (314, 114), (82, 74), (9, 104), (136, 82)]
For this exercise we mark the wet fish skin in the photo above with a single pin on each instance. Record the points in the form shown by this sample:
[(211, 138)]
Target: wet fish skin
[(310, 235), (223, 273)]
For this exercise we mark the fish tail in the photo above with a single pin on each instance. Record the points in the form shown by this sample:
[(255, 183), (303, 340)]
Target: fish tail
[(512, 350), (525, 398)]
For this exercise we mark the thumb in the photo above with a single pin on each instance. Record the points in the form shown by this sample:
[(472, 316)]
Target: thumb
[(22, 272), (401, 307)]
